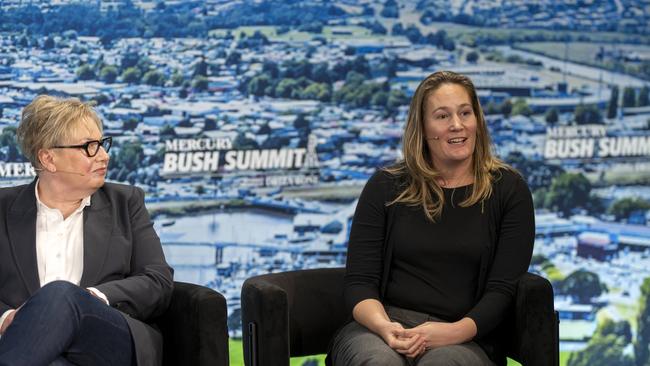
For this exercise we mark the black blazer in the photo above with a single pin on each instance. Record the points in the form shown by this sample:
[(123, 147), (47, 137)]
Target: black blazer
[(123, 258)]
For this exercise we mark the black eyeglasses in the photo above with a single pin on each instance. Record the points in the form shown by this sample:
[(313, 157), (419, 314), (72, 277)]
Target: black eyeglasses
[(91, 147)]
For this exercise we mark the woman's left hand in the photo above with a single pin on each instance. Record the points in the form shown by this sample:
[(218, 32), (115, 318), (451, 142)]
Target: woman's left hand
[(438, 334)]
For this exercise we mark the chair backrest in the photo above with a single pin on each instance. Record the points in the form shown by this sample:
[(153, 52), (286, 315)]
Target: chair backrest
[(297, 313), (315, 310)]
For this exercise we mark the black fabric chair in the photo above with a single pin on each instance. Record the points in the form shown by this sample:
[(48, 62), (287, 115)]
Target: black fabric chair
[(296, 314), (194, 327)]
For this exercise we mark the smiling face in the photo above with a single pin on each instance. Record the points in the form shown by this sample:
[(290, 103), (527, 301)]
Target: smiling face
[(450, 126)]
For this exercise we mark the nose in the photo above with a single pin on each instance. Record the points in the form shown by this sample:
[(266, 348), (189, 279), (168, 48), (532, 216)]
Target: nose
[(456, 124), (102, 155)]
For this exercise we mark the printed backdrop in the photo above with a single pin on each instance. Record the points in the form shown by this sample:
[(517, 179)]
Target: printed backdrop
[(253, 126)]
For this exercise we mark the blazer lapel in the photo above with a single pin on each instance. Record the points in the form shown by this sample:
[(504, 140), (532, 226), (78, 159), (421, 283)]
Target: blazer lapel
[(21, 225), (97, 232)]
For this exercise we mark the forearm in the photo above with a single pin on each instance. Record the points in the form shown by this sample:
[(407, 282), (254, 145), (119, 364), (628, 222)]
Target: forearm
[(371, 314), (462, 331)]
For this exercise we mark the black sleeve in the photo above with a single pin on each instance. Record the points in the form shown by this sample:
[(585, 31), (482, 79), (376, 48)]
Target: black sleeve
[(365, 250), (513, 251), (147, 291)]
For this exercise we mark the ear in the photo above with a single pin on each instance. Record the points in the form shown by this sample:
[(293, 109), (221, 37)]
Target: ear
[(46, 158)]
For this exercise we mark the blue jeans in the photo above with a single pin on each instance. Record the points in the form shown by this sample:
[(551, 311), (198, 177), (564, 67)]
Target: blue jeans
[(63, 324)]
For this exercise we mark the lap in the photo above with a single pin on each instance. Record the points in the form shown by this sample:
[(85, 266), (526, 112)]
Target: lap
[(355, 344), (468, 353)]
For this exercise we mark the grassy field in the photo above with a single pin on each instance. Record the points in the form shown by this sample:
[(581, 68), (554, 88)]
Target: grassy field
[(580, 52), (237, 357), (329, 32)]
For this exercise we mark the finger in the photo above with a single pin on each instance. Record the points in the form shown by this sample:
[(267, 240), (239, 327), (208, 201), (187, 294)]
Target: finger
[(415, 347), (420, 351), (406, 344)]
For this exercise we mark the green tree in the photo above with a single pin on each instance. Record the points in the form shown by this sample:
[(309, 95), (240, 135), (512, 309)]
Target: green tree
[(623, 207), (520, 107), (200, 68), (258, 85), (154, 77), (472, 57), (644, 98), (301, 122), (587, 114), (568, 191), (108, 74), (612, 106), (200, 83), (629, 97), (287, 88), (130, 156), (49, 43), (642, 343), (621, 329), (552, 116), (396, 99), (85, 72), (177, 78), (242, 142), (601, 351), (318, 91), (9, 145), (233, 58), (131, 75), (130, 124), (582, 285), (506, 108)]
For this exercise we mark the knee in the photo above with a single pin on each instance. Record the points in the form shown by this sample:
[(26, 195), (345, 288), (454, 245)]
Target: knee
[(380, 356), (454, 355), (61, 291)]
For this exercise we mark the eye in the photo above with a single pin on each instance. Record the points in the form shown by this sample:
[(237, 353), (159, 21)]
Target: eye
[(466, 113), (442, 116)]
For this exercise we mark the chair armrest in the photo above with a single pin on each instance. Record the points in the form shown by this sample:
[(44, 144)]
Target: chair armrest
[(194, 327), (291, 314), (535, 337)]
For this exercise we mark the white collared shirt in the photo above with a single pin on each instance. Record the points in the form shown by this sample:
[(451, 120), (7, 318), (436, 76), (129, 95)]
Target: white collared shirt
[(59, 246), (59, 243)]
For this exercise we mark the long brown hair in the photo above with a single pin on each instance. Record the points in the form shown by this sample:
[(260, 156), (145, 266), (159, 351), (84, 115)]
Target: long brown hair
[(420, 183)]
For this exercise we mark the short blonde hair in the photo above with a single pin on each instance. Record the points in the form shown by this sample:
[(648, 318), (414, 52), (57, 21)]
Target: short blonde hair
[(48, 121)]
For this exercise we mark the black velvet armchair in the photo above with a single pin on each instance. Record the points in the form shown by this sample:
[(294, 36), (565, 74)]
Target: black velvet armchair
[(194, 327), (296, 314)]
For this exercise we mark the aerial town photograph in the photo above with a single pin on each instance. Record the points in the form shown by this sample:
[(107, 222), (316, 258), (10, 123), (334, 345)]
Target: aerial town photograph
[(253, 125)]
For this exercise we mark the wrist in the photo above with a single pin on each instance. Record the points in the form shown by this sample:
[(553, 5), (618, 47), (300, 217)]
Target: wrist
[(463, 330)]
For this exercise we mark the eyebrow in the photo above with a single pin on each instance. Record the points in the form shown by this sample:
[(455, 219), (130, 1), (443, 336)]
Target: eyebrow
[(446, 108)]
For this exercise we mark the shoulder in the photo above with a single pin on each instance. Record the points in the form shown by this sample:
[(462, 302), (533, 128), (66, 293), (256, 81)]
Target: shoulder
[(20, 194), (122, 192), (386, 181), (506, 179), (12, 192)]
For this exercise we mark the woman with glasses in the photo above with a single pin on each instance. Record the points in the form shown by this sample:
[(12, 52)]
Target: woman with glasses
[(81, 268)]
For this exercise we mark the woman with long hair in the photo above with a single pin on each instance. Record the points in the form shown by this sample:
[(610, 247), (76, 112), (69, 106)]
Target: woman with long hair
[(438, 241)]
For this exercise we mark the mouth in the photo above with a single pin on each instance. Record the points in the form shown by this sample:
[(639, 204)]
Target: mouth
[(457, 140)]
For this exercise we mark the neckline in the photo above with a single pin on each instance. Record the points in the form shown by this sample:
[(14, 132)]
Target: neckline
[(452, 188)]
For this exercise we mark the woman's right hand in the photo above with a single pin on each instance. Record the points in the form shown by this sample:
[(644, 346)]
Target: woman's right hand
[(7, 321), (408, 345)]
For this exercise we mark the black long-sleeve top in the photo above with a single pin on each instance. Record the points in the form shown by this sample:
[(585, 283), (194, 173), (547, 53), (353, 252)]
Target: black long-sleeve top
[(466, 264)]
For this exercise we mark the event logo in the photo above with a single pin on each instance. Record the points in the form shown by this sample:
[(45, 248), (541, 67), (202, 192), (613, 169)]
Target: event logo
[(16, 170), (593, 141), (203, 156)]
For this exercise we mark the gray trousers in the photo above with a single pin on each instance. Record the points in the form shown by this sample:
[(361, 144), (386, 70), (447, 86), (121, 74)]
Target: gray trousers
[(355, 345)]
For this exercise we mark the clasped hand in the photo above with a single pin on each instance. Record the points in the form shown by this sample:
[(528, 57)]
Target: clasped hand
[(412, 342)]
